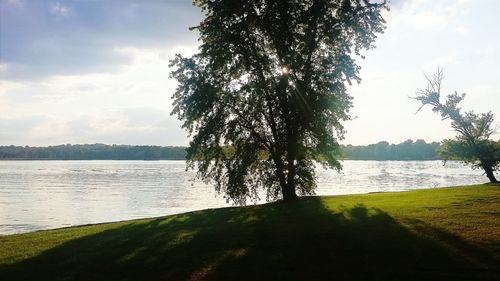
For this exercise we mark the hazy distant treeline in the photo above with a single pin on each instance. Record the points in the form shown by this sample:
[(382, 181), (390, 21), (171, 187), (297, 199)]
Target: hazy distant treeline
[(93, 152), (408, 150)]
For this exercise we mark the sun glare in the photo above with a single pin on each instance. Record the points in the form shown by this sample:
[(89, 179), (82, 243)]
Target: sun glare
[(284, 70)]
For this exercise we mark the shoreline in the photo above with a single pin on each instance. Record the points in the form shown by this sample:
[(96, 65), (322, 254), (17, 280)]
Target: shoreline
[(249, 205), (446, 233)]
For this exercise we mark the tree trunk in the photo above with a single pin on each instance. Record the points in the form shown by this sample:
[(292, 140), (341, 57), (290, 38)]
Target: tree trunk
[(281, 176), (490, 174), (289, 192)]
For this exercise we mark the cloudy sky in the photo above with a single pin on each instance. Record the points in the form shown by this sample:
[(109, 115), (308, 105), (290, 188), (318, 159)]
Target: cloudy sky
[(97, 71)]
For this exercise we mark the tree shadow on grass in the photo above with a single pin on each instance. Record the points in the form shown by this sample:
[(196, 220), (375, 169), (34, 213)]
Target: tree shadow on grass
[(298, 241)]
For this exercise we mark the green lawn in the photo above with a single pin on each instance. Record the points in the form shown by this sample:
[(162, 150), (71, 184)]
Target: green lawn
[(433, 234)]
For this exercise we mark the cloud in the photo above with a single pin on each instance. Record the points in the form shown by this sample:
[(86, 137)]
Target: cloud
[(441, 61), (97, 71), (3, 68), (428, 19), (425, 14), (13, 129), (461, 30), (15, 3), (128, 107), (59, 9), (42, 39), (126, 126)]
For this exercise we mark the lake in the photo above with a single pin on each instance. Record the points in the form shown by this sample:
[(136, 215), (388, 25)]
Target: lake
[(37, 195)]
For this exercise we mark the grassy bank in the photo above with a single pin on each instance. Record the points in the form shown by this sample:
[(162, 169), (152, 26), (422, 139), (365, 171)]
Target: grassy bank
[(435, 234)]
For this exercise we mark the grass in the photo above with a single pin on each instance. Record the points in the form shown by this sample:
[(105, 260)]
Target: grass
[(434, 234)]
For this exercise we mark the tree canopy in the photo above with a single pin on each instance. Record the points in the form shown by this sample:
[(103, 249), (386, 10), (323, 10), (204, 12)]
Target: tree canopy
[(472, 144), (271, 76)]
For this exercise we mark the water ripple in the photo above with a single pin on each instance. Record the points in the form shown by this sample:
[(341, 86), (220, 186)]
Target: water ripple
[(38, 195)]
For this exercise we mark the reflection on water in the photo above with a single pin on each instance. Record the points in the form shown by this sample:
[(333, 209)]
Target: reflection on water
[(47, 194), (379, 176)]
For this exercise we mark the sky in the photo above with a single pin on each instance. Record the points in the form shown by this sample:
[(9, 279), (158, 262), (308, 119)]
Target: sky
[(97, 71)]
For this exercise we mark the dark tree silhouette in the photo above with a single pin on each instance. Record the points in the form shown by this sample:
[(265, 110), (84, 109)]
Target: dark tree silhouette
[(472, 144), (271, 77)]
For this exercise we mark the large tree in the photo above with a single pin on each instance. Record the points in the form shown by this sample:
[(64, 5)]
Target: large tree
[(270, 81), (471, 144)]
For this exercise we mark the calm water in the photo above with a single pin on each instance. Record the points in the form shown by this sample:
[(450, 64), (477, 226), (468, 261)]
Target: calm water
[(38, 195)]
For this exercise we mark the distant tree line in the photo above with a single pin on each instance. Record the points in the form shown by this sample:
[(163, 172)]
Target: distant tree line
[(94, 152), (407, 150)]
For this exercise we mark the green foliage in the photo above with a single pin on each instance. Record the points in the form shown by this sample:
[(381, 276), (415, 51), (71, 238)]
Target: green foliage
[(482, 153), (432, 234), (271, 77), (407, 150), (93, 152), (472, 144)]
